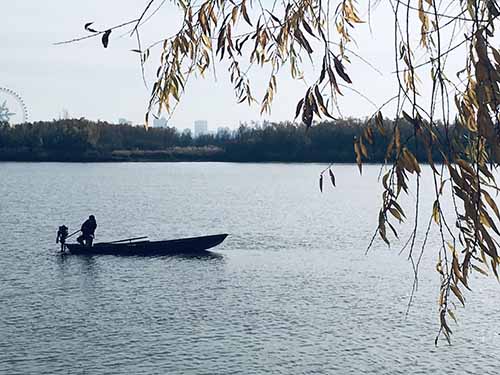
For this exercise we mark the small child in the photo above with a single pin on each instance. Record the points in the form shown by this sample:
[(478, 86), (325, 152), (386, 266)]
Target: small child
[(62, 233)]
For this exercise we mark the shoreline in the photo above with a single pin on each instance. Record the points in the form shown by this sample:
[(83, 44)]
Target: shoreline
[(84, 161), (179, 155), (174, 155)]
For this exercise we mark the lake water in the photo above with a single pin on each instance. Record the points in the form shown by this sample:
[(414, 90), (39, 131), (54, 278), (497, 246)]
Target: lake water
[(290, 291)]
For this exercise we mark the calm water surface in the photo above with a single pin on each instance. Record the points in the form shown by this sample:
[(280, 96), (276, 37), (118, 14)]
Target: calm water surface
[(291, 290)]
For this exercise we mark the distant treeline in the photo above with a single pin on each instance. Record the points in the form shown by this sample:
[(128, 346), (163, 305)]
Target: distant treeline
[(84, 140)]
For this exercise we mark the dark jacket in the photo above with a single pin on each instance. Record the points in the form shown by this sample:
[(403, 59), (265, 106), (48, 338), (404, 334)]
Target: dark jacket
[(88, 228)]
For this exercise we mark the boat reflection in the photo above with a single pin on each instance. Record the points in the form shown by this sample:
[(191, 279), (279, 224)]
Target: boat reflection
[(202, 255)]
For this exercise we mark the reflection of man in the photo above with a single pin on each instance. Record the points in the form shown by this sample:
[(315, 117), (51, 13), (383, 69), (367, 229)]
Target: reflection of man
[(88, 230), (62, 233)]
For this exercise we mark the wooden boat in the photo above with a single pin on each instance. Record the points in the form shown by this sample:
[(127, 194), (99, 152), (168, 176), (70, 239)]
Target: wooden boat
[(149, 248)]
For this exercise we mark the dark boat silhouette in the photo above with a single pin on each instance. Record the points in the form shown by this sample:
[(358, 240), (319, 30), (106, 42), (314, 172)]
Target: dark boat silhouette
[(136, 247)]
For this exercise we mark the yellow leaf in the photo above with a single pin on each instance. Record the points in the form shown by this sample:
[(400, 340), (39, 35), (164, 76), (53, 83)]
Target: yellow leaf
[(435, 211), (357, 151), (206, 41), (234, 15), (450, 313)]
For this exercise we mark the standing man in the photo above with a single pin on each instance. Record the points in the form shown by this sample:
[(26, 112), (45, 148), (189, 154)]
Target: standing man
[(88, 230)]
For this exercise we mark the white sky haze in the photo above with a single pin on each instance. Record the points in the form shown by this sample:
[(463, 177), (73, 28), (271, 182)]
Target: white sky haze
[(90, 81)]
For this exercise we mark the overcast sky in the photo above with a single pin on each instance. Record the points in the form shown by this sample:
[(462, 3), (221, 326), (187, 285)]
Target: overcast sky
[(89, 81)]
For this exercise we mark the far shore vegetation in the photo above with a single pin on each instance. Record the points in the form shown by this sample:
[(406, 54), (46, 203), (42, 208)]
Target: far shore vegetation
[(81, 140)]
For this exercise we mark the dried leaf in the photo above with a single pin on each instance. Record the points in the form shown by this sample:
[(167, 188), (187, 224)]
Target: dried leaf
[(357, 151), (105, 38), (299, 107), (88, 28), (307, 27), (457, 293), (332, 177), (396, 214), (307, 114), (245, 14), (491, 203), (480, 270), (340, 70), (411, 160)]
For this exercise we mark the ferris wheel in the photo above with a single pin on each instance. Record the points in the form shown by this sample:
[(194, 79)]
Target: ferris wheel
[(13, 110)]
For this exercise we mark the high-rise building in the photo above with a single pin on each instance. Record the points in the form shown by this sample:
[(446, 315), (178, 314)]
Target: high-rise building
[(200, 128), (64, 115)]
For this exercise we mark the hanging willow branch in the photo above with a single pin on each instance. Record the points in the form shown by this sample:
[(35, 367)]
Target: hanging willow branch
[(248, 34)]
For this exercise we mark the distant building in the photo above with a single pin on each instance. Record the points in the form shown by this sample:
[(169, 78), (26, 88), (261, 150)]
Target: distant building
[(200, 128), (124, 121), (64, 115), (160, 122)]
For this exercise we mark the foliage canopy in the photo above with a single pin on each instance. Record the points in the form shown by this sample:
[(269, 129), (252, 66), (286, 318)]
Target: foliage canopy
[(83, 140)]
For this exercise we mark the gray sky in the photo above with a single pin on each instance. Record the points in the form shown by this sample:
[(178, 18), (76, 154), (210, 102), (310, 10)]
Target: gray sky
[(90, 81)]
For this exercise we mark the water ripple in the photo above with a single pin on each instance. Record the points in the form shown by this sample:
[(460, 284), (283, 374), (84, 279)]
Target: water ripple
[(289, 292)]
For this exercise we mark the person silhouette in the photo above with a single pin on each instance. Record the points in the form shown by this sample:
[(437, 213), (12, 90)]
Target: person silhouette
[(88, 230), (62, 234)]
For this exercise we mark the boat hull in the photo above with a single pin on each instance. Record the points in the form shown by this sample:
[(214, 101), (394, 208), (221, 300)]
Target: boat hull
[(151, 248)]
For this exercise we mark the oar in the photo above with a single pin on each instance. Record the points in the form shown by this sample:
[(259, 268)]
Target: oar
[(72, 234), (129, 239)]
